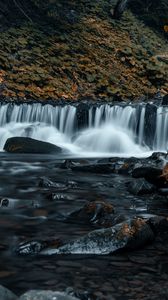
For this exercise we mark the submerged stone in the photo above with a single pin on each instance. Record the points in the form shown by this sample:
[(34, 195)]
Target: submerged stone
[(47, 183), (29, 145), (95, 212)]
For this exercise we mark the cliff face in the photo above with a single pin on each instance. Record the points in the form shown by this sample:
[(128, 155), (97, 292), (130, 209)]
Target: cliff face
[(75, 50)]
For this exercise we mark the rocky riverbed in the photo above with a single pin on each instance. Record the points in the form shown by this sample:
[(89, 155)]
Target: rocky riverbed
[(51, 202)]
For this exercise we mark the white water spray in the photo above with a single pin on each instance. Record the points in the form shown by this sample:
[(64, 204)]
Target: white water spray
[(111, 130)]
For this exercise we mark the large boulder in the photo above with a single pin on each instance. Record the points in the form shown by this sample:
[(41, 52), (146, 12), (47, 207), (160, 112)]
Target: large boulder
[(6, 294), (29, 145), (152, 175), (46, 295), (130, 234)]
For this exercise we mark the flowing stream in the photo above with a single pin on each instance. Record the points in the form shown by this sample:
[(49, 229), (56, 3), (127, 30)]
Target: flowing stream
[(31, 211)]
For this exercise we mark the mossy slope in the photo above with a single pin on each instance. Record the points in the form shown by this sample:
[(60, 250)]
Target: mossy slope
[(93, 57)]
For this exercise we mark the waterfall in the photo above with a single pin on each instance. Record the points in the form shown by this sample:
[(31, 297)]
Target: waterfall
[(63, 118), (124, 117), (108, 130), (43, 122), (161, 133)]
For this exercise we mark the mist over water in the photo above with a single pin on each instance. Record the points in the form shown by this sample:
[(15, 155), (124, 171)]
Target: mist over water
[(111, 130)]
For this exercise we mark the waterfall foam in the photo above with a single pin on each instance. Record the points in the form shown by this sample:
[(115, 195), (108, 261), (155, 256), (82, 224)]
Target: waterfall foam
[(111, 130), (107, 138)]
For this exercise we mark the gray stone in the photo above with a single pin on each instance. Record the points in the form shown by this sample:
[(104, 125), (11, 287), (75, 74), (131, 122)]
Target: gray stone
[(140, 187), (6, 294), (130, 234), (46, 295), (29, 145)]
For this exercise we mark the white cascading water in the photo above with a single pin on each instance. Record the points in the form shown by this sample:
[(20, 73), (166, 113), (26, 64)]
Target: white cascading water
[(108, 139), (60, 117), (161, 135), (42, 122), (111, 130)]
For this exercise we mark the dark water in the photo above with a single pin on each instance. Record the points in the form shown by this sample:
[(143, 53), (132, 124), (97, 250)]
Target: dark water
[(31, 213)]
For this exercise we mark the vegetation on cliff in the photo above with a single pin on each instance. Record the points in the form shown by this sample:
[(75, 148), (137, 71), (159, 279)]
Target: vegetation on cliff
[(77, 50)]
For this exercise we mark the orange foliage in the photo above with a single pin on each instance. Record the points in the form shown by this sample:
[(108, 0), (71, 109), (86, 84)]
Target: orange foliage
[(165, 172), (166, 28)]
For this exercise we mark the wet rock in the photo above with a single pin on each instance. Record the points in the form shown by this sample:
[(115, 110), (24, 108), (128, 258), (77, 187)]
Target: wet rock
[(80, 294), (72, 184), (29, 145), (150, 124), (6, 294), (125, 169), (82, 115), (96, 212), (165, 100), (125, 166), (30, 248), (152, 175), (140, 187), (66, 164), (46, 295), (131, 234), (157, 98), (69, 163), (158, 224), (163, 191), (146, 172), (141, 234), (158, 156), (58, 196), (47, 183), (119, 9), (4, 202), (95, 168), (34, 247)]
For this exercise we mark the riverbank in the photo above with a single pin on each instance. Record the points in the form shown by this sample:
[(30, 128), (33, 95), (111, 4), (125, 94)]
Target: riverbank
[(34, 210), (93, 57)]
